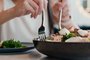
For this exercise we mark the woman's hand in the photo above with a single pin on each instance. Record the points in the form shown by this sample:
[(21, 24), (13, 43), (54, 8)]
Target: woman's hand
[(24, 7), (66, 18), (56, 7)]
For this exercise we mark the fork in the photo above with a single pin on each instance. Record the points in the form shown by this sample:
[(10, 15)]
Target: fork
[(60, 18), (41, 30)]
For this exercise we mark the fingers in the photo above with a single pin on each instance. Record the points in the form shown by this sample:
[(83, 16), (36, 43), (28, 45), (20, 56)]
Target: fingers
[(60, 0), (64, 2), (60, 4), (37, 6), (40, 4), (29, 8), (34, 6), (57, 7), (65, 8)]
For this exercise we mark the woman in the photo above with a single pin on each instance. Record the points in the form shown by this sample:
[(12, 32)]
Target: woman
[(26, 28)]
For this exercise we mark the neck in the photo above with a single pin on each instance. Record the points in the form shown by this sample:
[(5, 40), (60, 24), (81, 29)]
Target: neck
[(1, 5)]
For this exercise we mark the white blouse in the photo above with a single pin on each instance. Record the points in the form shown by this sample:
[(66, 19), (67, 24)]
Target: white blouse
[(22, 28)]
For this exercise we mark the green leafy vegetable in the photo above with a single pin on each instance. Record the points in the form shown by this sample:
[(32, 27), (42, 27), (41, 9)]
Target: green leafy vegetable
[(67, 36), (12, 44)]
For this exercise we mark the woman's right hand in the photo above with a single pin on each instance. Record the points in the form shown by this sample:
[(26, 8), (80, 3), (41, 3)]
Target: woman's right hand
[(56, 7), (24, 7)]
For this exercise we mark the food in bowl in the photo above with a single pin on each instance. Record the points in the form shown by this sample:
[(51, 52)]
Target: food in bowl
[(77, 39), (66, 36), (12, 43)]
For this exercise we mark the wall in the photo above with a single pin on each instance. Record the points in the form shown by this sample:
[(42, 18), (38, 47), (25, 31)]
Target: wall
[(77, 16), (88, 3)]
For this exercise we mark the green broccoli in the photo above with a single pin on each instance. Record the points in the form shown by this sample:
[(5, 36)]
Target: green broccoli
[(12, 44), (67, 36)]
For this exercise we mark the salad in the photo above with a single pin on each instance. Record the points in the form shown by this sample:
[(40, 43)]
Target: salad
[(12, 43), (66, 36)]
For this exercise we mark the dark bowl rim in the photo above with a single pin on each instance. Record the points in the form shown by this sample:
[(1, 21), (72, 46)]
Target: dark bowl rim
[(63, 42)]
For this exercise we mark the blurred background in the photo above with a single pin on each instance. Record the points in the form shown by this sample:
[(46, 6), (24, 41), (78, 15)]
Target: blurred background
[(80, 12)]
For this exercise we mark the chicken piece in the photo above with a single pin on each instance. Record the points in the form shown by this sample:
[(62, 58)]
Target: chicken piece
[(86, 39), (77, 39), (83, 33), (89, 34), (56, 38), (64, 31)]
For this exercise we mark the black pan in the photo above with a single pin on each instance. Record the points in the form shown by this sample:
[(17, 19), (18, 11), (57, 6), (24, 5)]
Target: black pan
[(63, 50)]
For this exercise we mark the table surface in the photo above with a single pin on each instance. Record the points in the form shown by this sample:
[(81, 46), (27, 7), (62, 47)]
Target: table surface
[(30, 55)]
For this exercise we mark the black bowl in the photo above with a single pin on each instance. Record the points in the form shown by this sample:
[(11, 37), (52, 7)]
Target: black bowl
[(63, 50)]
